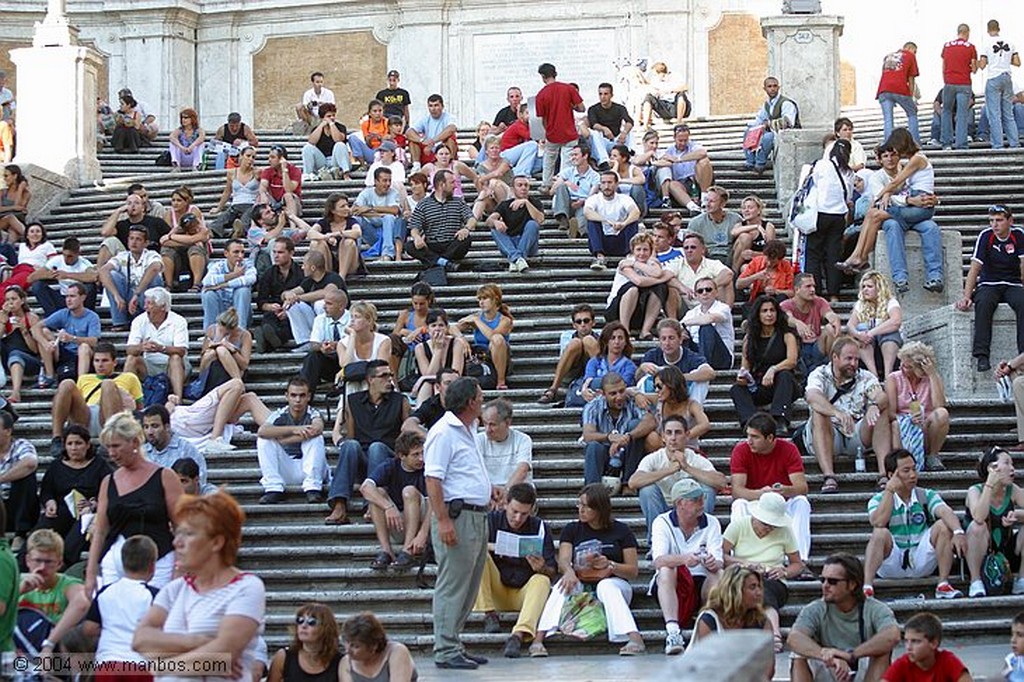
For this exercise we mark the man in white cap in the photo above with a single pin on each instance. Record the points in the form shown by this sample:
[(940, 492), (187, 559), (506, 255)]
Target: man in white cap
[(686, 544)]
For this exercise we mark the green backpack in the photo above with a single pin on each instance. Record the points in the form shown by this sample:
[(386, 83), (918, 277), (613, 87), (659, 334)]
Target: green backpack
[(995, 573)]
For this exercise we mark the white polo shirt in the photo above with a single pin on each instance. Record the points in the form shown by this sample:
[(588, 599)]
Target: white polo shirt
[(173, 332), (450, 454)]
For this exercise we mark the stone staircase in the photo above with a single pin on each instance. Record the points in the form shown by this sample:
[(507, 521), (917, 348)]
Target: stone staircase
[(301, 560)]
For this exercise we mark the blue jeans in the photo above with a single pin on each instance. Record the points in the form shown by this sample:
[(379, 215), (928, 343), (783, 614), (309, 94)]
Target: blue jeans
[(653, 504), (959, 96), (392, 226), (999, 106), (760, 156), (811, 357), (609, 244), (313, 159), (931, 248), (524, 158), (595, 458), (351, 461), (601, 146), (216, 301), (522, 246), (51, 300), (889, 100), (120, 317), (712, 347), (561, 204), (361, 149)]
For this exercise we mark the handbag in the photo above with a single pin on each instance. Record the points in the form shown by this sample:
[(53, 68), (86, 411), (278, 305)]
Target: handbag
[(803, 207), (164, 158), (752, 140), (194, 389), (582, 617), (912, 438)]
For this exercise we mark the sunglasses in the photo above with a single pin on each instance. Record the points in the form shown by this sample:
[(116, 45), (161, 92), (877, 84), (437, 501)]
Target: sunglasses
[(306, 620), (999, 208), (704, 290), (690, 248), (832, 581), (658, 385), (583, 320)]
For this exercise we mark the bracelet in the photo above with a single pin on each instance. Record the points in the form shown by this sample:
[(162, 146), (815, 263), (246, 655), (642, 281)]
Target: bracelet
[(958, 531), (989, 486), (48, 643)]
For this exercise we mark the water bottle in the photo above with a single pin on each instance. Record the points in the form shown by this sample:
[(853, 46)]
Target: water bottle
[(615, 462), (858, 463)]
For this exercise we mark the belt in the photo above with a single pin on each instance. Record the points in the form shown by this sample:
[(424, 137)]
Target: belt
[(474, 507)]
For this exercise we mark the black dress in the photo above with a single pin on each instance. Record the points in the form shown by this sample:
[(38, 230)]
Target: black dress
[(59, 480), (765, 352)]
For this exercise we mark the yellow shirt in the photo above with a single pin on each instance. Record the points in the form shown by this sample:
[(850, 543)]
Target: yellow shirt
[(89, 387)]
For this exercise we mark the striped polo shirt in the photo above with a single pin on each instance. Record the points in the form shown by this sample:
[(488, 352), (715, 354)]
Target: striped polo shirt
[(438, 221), (909, 522)]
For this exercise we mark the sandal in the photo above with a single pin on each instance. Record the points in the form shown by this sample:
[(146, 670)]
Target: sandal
[(381, 561), (501, 387), (537, 650), (632, 649), (777, 640), (829, 485), (549, 396)]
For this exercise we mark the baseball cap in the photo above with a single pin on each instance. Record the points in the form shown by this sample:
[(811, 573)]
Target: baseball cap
[(387, 146), (687, 489), (394, 73)]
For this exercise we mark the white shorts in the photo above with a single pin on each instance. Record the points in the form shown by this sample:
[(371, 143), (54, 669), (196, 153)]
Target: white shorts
[(916, 562)]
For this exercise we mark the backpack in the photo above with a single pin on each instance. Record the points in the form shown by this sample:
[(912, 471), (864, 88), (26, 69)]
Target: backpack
[(803, 207), (155, 389), (995, 573)]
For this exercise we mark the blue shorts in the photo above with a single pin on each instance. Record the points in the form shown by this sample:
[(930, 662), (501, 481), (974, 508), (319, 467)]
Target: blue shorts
[(19, 357)]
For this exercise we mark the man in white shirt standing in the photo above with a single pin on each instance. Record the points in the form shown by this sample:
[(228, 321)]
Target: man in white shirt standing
[(460, 492), (309, 107), (612, 220), (686, 544), (998, 57), (507, 452)]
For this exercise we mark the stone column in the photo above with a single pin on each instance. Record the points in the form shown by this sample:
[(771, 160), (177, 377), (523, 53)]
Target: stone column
[(803, 53), (57, 82)]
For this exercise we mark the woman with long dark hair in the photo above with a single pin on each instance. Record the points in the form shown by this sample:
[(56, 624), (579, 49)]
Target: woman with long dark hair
[(14, 200), (770, 353), (314, 654)]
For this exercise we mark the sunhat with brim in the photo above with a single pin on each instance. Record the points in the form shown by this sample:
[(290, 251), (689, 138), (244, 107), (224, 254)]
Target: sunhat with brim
[(771, 509)]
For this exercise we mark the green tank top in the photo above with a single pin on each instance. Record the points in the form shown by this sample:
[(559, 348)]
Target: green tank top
[(51, 602)]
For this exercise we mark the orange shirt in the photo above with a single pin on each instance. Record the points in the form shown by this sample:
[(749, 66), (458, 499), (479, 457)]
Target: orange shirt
[(782, 278), (373, 133)]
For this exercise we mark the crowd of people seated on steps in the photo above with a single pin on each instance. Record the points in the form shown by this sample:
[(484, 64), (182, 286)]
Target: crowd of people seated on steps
[(642, 420)]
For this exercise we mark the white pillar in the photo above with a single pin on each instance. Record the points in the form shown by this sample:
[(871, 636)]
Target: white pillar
[(57, 84), (803, 53)]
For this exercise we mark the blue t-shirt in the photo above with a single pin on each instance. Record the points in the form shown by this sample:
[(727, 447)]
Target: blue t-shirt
[(85, 325), (391, 477), (598, 367), (431, 127)]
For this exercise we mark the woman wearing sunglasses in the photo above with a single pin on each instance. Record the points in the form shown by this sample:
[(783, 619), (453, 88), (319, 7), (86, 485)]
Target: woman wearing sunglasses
[(313, 655), (995, 506)]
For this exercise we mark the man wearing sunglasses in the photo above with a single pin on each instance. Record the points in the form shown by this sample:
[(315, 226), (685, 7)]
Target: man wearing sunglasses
[(844, 633), (576, 347), (372, 420)]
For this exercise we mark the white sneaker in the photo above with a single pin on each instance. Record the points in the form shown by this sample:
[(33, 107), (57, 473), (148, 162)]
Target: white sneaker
[(308, 177), (947, 591), (215, 446), (598, 264), (415, 168), (977, 589), (513, 266), (674, 644), (694, 207), (1018, 586), (522, 265)]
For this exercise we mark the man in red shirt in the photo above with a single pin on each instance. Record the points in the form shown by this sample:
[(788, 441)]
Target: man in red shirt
[(281, 183), (896, 86), (555, 103), (516, 146), (766, 464), (959, 62)]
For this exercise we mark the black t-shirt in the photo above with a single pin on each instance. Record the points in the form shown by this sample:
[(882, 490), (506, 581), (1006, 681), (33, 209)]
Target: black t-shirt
[(429, 412), (155, 228), (395, 101), (515, 572), (309, 284), (505, 115), (326, 143), (392, 478), (611, 118), (515, 219), (271, 284), (613, 540)]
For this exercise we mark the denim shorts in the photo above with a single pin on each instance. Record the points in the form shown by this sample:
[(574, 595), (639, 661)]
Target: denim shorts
[(27, 360)]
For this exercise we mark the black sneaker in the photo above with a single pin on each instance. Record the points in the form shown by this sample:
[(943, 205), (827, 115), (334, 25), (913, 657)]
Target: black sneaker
[(513, 647), (935, 285), (902, 286), (56, 447), (314, 496), (273, 497), (983, 364)]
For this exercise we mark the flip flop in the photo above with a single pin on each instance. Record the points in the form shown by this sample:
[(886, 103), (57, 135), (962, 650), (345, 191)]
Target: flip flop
[(830, 485)]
